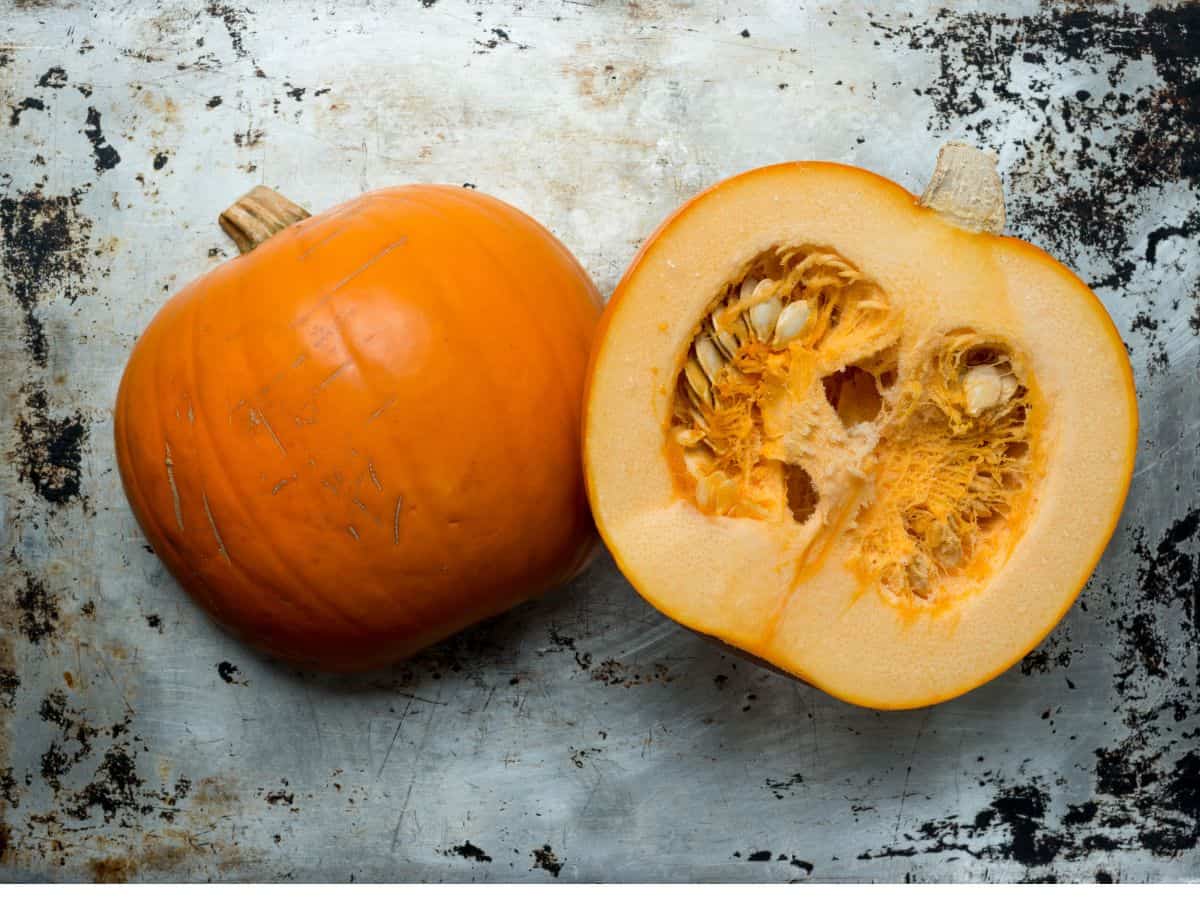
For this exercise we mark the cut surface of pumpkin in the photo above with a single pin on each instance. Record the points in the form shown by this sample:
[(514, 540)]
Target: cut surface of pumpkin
[(857, 434)]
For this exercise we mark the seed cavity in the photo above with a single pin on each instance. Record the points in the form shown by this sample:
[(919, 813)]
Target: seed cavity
[(789, 316), (802, 497), (854, 394), (954, 464), (801, 401)]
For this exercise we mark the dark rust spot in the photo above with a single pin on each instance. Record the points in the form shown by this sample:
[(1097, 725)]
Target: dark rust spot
[(230, 673), (49, 450), (467, 850), (37, 610), (105, 154), (544, 858), (112, 869), (9, 682), (44, 253), (28, 103), (234, 20), (54, 77)]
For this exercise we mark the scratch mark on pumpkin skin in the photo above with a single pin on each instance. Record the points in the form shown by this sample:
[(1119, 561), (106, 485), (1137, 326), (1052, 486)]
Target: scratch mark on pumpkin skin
[(332, 375), (379, 412), (322, 242), (170, 464), (360, 505), (281, 484), (257, 418), (396, 520), (374, 477), (266, 388), (353, 532), (299, 360), (300, 320), (354, 206), (213, 523), (312, 416)]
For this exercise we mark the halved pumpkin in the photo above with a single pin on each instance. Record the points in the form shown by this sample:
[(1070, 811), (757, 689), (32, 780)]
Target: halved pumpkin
[(857, 434)]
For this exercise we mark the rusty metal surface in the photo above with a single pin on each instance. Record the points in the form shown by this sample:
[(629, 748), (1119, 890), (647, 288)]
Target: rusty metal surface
[(583, 736)]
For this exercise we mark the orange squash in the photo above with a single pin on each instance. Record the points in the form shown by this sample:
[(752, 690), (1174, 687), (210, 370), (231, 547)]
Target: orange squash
[(857, 434), (362, 434)]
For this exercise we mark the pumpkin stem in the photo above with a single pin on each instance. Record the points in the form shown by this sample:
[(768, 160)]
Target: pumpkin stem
[(257, 215), (965, 188)]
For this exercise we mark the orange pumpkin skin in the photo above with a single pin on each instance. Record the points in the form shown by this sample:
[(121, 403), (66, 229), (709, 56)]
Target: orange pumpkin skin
[(364, 435)]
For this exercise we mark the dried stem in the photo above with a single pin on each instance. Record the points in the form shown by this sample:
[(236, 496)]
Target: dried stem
[(257, 215), (966, 189)]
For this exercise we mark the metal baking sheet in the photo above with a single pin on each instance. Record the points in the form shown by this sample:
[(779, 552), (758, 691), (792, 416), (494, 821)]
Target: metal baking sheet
[(582, 737)]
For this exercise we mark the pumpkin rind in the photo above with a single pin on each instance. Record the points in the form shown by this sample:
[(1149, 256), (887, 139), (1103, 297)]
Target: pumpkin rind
[(363, 435)]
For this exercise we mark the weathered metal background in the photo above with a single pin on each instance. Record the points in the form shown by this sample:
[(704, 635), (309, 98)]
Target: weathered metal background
[(583, 736)]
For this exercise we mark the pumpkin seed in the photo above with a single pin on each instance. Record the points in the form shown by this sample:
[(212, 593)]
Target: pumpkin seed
[(790, 323), (763, 317), (725, 493), (947, 546), (698, 461), (983, 388), (709, 357), (688, 437), (762, 290), (919, 570), (728, 339), (704, 493), (1009, 385), (698, 381)]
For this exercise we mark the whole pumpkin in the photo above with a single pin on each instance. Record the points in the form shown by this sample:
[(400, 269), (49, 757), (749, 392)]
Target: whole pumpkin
[(363, 434)]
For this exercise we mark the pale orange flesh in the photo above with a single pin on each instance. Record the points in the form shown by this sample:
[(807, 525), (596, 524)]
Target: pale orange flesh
[(901, 490)]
